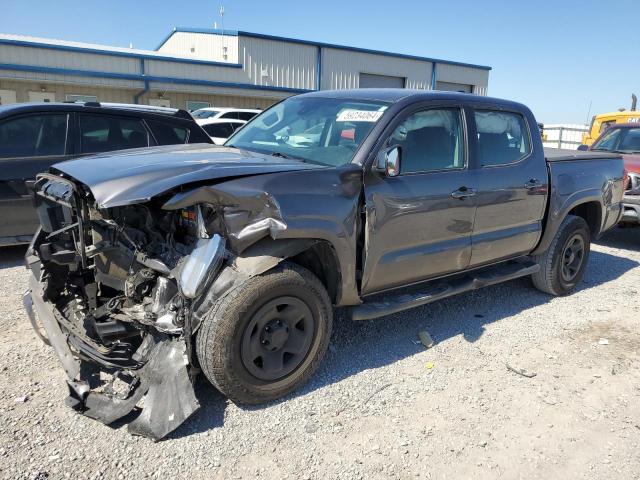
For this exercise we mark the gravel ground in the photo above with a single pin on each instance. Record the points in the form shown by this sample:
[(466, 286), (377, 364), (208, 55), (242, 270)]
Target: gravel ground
[(381, 405)]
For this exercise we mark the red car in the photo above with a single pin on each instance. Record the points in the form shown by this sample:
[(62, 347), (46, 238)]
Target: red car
[(625, 139)]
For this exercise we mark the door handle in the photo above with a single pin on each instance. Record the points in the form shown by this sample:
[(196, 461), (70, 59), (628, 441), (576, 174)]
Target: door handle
[(463, 192), (531, 184)]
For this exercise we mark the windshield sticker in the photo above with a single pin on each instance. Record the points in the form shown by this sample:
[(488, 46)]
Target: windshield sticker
[(358, 116)]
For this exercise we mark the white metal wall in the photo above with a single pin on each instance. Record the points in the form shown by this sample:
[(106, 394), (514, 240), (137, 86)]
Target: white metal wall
[(564, 135), (60, 78), (166, 68), (341, 69), (64, 59), (278, 63), (178, 99), (61, 90), (265, 62), (465, 75), (203, 46)]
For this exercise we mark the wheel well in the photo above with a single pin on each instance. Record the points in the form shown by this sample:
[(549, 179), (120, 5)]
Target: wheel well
[(321, 260), (591, 213)]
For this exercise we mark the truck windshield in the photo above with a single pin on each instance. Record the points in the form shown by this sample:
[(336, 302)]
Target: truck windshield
[(327, 131), (621, 140)]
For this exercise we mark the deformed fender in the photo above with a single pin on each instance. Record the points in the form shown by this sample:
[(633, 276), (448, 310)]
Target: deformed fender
[(257, 259), (248, 216)]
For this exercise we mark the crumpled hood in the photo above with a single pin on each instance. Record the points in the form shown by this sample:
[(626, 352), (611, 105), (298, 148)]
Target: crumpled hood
[(137, 175)]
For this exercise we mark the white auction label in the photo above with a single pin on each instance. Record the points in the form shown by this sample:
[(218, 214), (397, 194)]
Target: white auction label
[(358, 116)]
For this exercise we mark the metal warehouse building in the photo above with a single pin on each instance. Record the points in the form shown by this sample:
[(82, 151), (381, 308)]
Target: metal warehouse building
[(193, 68)]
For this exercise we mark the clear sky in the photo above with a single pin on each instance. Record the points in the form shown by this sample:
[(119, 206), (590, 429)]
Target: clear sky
[(555, 56)]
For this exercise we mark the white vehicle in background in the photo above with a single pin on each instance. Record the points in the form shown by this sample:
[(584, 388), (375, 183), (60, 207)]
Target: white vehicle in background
[(220, 129), (211, 113)]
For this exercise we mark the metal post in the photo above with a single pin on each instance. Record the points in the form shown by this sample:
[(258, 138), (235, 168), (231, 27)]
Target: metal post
[(319, 68), (560, 137), (434, 75)]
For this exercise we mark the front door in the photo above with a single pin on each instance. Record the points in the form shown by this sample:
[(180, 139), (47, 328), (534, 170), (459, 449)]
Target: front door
[(29, 144), (512, 188), (419, 223)]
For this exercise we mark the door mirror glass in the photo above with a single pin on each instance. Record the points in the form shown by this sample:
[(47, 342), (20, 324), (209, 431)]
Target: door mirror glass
[(583, 148), (388, 161)]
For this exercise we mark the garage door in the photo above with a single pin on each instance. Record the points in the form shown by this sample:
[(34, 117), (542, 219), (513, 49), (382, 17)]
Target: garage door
[(454, 87), (369, 80)]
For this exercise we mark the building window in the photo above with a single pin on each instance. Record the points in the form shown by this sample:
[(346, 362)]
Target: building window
[(370, 80), (195, 105), (454, 87), (81, 98)]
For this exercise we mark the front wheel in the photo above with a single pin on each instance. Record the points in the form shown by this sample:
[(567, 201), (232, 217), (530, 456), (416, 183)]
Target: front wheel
[(266, 337), (562, 265)]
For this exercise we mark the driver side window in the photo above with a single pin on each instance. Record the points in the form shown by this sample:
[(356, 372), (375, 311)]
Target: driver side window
[(430, 140)]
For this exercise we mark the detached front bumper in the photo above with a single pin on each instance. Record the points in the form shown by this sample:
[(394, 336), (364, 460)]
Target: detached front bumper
[(631, 209), (162, 382)]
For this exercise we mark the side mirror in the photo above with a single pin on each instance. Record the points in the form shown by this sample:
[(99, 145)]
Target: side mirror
[(583, 148), (388, 161)]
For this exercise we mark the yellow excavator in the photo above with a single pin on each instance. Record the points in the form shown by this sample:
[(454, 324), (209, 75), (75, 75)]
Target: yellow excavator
[(602, 121)]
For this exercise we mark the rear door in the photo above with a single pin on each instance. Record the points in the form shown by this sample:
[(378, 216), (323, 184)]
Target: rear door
[(512, 186), (104, 133), (419, 223), (29, 144)]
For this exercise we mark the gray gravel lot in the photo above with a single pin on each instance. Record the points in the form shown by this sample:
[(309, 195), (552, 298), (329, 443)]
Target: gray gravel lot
[(381, 405)]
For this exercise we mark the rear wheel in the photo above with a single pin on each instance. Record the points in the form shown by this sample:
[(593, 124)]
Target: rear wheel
[(562, 265), (266, 337)]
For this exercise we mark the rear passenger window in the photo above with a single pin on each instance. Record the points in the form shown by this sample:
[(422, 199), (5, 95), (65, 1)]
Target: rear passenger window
[(168, 134), (104, 133), (33, 136), (429, 140), (219, 130), (503, 137), (232, 115), (246, 116)]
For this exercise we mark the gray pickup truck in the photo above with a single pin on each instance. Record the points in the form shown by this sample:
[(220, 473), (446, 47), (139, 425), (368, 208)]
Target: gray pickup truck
[(154, 265)]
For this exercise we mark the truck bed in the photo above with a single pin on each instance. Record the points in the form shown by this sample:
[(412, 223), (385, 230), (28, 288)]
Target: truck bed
[(562, 155)]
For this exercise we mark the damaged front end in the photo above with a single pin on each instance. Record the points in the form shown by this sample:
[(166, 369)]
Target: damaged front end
[(116, 290)]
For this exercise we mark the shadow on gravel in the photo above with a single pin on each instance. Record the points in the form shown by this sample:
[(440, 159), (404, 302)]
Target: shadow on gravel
[(359, 346), (211, 413), (624, 238), (12, 256)]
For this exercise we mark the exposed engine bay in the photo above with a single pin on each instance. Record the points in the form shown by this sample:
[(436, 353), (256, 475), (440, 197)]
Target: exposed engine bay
[(138, 250), (122, 285)]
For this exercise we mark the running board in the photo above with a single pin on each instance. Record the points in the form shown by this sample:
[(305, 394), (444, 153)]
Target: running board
[(389, 303)]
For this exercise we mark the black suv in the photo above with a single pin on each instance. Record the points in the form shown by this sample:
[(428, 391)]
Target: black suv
[(34, 136)]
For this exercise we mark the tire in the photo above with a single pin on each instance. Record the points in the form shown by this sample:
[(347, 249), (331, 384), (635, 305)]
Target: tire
[(557, 276), (255, 327)]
